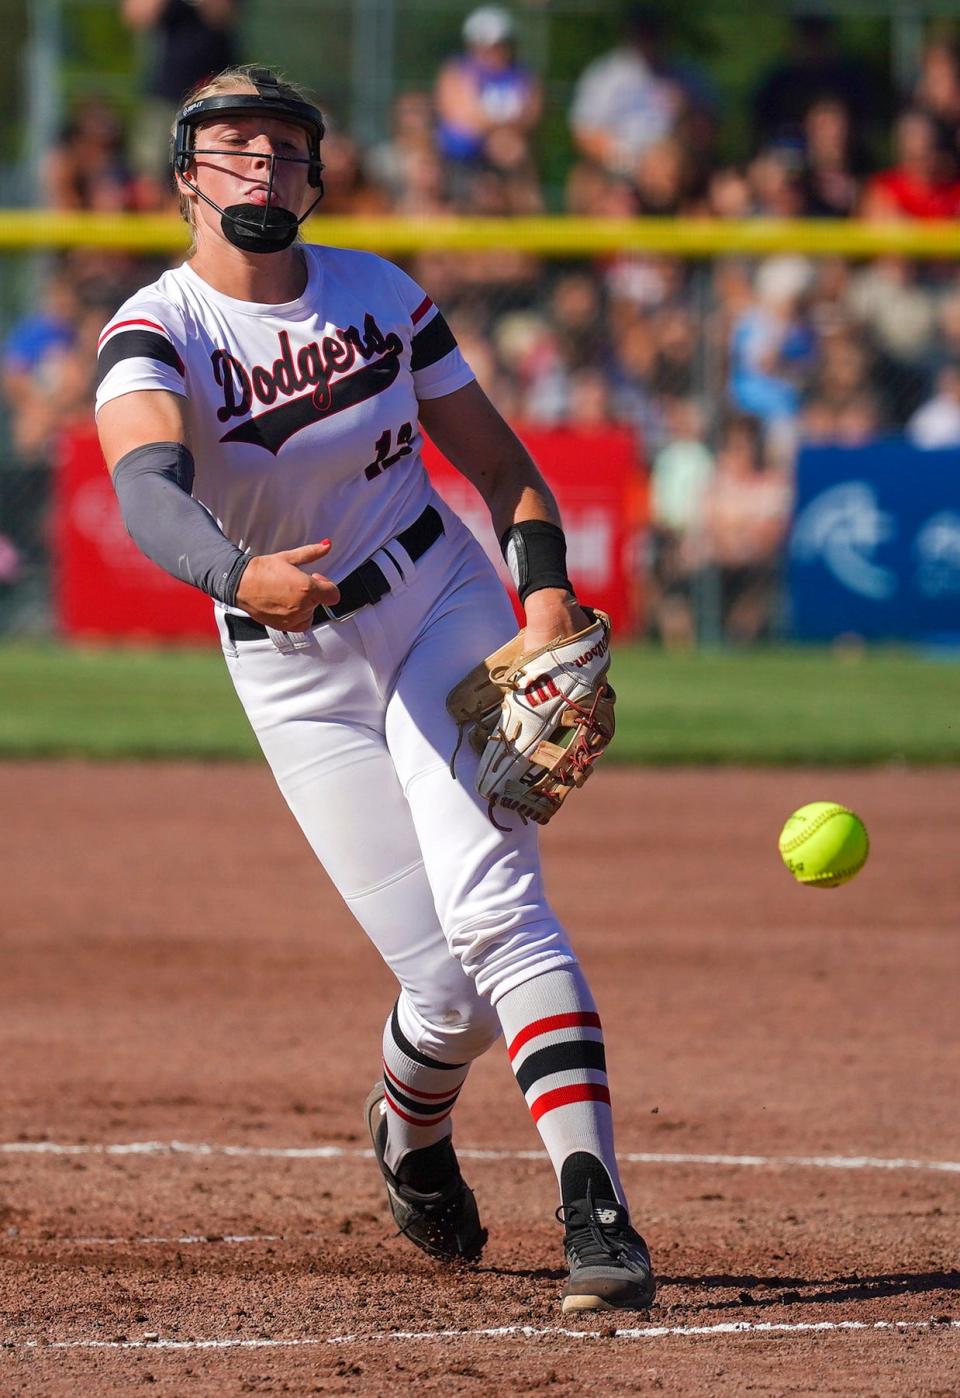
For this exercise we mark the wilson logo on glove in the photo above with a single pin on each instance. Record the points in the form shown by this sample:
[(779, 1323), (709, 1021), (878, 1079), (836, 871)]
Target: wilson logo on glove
[(537, 732), (594, 653), (541, 689)]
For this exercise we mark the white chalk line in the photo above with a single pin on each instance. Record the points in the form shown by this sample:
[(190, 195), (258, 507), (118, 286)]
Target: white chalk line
[(505, 1332), (13, 1235), (187, 1240), (205, 1148)]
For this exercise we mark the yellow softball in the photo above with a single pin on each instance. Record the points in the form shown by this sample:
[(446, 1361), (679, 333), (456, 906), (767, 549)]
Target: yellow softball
[(824, 844)]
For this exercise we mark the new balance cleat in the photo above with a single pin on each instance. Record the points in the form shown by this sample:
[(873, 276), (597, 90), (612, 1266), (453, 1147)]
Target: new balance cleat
[(609, 1262), (440, 1218)]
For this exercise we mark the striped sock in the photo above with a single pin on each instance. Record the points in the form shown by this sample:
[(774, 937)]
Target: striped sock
[(555, 1043), (421, 1093)]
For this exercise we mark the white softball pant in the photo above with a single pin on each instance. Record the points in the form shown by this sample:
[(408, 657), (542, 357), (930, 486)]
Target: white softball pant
[(352, 720)]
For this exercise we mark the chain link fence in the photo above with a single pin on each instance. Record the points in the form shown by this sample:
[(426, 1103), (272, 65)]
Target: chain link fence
[(25, 604), (722, 367)]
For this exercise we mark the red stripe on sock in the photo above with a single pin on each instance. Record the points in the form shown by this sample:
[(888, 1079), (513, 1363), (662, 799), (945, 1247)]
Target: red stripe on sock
[(415, 1091), (415, 1120), (587, 1018), (563, 1096)]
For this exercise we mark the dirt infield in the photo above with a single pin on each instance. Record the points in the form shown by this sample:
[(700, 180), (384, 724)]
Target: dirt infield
[(189, 1022)]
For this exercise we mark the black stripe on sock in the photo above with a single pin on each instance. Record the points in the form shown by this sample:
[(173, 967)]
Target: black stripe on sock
[(405, 1046), (561, 1058), (422, 1108)]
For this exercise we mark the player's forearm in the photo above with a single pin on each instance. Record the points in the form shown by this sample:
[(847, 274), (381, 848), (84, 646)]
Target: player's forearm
[(475, 439), (527, 521), (153, 485), (518, 495)]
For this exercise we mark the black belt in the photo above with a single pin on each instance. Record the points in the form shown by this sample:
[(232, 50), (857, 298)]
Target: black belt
[(361, 588)]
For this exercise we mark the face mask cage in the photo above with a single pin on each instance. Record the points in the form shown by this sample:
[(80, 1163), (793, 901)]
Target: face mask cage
[(250, 226), (253, 218)]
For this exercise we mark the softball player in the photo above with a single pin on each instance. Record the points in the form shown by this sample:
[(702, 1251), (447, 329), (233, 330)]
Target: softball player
[(261, 410)]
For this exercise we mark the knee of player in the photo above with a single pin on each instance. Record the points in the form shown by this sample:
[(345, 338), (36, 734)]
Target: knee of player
[(496, 959), (463, 1031)]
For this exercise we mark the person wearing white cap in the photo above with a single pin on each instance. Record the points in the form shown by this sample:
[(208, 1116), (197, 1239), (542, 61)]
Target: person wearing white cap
[(487, 103), (489, 25)]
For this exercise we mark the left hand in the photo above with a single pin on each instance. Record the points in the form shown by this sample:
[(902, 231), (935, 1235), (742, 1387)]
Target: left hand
[(538, 718), (552, 613)]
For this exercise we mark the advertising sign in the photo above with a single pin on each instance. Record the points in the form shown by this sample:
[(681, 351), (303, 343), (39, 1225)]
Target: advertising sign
[(106, 588), (874, 547), (601, 491)]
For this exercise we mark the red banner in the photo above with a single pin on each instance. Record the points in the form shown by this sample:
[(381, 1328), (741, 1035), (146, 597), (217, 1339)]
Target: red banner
[(106, 588), (601, 490)]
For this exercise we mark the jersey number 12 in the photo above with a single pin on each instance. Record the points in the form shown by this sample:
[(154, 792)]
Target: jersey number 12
[(384, 457)]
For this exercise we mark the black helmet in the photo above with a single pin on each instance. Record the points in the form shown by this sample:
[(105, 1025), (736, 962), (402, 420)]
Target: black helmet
[(255, 229)]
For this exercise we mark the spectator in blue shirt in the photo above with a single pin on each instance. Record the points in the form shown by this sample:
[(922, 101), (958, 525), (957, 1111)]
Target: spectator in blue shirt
[(487, 102), (772, 345), (37, 334)]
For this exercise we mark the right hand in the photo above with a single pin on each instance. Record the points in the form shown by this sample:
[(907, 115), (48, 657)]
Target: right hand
[(275, 590)]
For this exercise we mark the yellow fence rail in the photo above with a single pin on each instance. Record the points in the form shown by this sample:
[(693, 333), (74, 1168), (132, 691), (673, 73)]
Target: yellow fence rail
[(35, 230)]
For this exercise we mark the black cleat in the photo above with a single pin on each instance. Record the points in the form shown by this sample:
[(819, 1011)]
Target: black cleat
[(443, 1220), (609, 1262)]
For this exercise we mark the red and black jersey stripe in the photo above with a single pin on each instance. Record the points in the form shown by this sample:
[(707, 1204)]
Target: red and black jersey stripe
[(136, 344), (433, 342), (421, 310)]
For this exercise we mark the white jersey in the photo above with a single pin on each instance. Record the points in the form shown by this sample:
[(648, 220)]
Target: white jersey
[(303, 417)]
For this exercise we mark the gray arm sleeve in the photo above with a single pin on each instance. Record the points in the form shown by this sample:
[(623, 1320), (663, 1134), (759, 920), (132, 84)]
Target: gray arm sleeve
[(153, 485)]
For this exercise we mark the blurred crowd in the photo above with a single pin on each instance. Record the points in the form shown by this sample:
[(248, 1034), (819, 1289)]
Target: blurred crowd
[(720, 369)]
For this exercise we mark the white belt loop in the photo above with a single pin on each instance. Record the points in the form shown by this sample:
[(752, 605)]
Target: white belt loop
[(289, 642), (226, 640), (402, 560), (395, 564)]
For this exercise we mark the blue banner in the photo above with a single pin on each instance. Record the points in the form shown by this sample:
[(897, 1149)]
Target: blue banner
[(874, 547)]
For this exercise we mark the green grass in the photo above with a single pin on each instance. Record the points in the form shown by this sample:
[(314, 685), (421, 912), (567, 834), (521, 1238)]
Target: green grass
[(781, 706), (787, 706), (93, 702)]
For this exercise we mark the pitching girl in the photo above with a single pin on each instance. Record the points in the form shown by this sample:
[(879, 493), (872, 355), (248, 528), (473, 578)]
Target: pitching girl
[(261, 409)]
